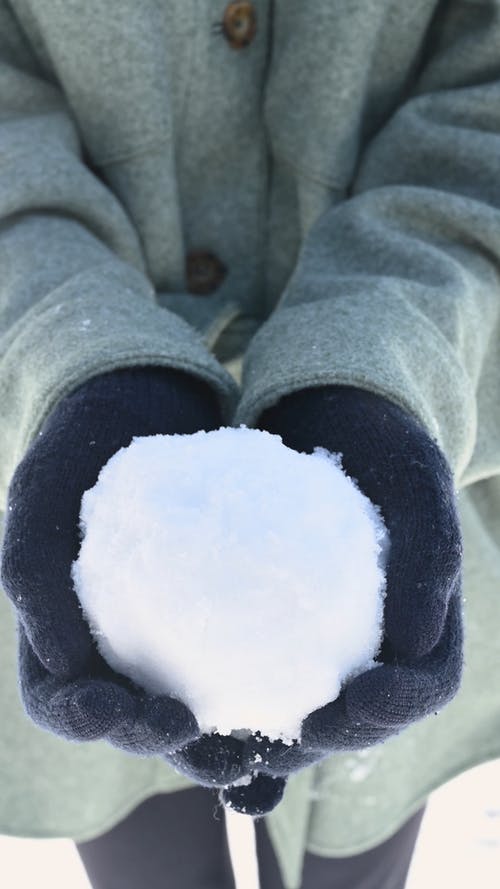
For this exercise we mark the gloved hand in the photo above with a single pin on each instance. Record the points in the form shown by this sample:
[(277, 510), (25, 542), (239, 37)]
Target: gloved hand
[(218, 761), (66, 686), (401, 469)]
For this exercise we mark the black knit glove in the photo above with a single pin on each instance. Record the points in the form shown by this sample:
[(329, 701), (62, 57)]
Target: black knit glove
[(400, 468), (66, 686)]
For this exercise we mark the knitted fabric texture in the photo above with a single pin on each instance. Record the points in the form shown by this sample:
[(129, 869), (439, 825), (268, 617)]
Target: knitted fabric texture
[(66, 686), (401, 469)]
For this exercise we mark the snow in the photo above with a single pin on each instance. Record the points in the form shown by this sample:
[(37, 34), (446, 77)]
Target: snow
[(233, 573), (242, 845)]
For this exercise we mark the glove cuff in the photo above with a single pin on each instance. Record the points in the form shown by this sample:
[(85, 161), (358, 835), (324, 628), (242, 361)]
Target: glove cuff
[(164, 400), (104, 414)]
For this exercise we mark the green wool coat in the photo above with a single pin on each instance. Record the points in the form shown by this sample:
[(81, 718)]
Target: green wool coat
[(341, 169)]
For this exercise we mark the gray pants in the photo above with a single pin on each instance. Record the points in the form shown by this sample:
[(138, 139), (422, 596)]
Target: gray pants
[(178, 841)]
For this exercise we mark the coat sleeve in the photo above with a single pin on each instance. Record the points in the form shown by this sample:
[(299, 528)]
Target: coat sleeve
[(396, 289), (75, 300)]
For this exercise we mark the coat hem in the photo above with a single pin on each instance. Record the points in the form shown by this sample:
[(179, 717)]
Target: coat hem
[(92, 833), (277, 834), (376, 840)]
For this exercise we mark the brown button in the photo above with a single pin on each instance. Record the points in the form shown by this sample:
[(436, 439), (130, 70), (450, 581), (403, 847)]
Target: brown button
[(204, 272), (239, 24)]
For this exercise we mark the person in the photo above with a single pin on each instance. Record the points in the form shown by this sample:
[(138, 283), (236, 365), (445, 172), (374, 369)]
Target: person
[(287, 217)]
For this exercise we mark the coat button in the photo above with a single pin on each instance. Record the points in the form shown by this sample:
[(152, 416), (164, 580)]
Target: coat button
[(204, 272), (239, 24)]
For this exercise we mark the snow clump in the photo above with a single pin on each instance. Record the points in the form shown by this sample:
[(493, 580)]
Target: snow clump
[(233, 573)]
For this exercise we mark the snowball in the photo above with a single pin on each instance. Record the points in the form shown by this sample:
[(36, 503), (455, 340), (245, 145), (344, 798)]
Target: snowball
[(233, 573)]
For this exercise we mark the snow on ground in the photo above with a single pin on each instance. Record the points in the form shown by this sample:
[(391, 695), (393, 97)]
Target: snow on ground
[(459, 843)]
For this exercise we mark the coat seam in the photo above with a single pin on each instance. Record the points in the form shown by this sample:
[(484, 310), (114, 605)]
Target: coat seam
[(309, 174), (119, 158), (191, 74)]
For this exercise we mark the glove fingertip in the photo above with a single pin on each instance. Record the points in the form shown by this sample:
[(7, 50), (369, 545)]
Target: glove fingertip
[(413, 640), (65, 658), (89, 709), (171, 721), (212, 759), (320, 726), (257, 798)]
